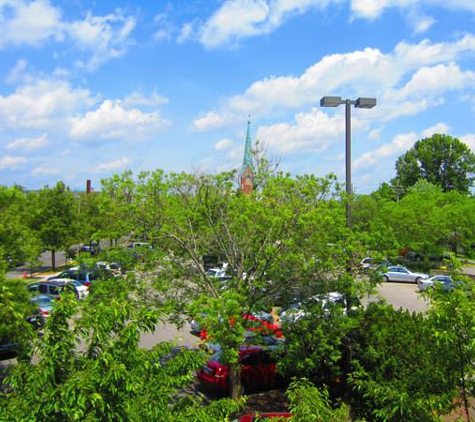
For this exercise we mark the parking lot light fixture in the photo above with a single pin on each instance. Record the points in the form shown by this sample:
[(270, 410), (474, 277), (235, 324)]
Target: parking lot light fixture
[(361, 102)]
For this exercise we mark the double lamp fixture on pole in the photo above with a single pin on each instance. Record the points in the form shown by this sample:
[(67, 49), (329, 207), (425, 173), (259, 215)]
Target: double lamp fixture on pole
[(359, 103)]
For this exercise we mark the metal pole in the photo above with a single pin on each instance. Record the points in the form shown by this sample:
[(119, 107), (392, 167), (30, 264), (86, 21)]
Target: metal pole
[(348, 163)]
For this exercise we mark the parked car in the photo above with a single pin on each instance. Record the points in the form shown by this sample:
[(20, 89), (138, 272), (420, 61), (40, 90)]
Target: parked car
[(273, 416), (8, 348), (83, 275), (93, 249), (55, 287), (255, 322), (445, 281), (399, 273), (139, 245), (109, 267), (332, 303), (258, 370), (367, 263), (45, 305)]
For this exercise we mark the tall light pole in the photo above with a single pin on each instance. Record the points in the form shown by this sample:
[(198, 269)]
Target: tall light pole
[(358, 103)]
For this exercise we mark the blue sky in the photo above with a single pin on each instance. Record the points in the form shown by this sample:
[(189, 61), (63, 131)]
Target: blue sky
[(91, 88)]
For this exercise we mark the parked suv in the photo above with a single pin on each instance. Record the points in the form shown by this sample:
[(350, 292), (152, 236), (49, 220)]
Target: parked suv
[(54, 288)]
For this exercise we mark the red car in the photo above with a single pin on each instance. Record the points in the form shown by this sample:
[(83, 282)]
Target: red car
[(275, 417), (254, 324), (258, 370)]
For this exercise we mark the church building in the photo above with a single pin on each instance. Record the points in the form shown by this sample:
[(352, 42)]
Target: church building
[(247, 168)]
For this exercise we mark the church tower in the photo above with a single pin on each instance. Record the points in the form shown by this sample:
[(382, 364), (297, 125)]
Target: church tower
[(247, 168)]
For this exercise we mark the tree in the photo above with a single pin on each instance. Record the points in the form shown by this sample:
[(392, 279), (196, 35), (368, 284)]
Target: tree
[(108, 377), (19, 243), (441, 160), (53, 215), (399, 373), (452, 319)]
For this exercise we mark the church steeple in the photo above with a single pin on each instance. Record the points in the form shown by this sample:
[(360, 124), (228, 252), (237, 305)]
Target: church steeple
[(247, 168)]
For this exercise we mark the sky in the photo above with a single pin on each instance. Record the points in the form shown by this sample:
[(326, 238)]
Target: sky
[(89, 89)]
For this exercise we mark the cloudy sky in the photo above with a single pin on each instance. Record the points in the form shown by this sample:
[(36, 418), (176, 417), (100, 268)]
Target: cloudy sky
[(91, 88)]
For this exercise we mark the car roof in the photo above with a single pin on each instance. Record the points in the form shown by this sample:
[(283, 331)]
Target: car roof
[(55, 281)]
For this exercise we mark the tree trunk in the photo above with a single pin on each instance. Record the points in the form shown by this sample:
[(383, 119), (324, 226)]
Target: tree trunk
[(235, 386), (53, 259)]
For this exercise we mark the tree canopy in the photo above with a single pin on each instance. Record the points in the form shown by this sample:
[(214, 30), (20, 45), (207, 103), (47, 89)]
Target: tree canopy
[(441, 160)]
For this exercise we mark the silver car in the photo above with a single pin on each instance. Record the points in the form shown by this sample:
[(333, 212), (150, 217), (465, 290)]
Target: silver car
[(399, 273), (444, 280)]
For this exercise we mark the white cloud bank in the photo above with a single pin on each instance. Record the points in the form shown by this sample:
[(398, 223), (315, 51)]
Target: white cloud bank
[(406, 81), (28, 144), (235, 20), (112, 121), (36, 22)]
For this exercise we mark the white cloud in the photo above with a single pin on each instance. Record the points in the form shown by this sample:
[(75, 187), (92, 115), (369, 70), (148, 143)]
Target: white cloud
[(36, 22), (372, 9), (43, 104), (17, 72), (374, 134), (400, 143), (438, 128), (469, 139), (314, 131), (12, 162), (113, 165), (162, 35), (137, 99), (410, 79), (422, 23), (106, 37), (112, 121), (25, 22), (28, 144), (209, 122), (235, 155), (186, 33), (223, 144), (369, 9), (46, 170), (436, 80), (237, 19)]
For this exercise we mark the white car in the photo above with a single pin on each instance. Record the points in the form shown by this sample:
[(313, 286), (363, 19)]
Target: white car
[(329, 302), (367, 263), (444, 280), (54, 287), (399, 273)]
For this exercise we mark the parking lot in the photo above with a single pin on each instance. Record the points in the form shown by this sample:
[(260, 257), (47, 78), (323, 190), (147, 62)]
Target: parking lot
[(399, 295)]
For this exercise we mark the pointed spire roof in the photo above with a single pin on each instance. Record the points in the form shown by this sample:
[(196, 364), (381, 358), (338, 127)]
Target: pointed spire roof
[(247, 160)]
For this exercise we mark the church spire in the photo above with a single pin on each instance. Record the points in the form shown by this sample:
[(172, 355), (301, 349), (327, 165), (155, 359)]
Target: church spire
[(247, 168)]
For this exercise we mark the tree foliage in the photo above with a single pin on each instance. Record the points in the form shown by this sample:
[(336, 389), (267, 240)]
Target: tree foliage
[(108, 377), (441, 160)]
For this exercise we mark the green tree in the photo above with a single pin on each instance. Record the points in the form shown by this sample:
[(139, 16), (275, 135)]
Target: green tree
[(108, 377), (18, 241), (441, 160), (53, 216), (452, 318), (15, 307), (308, 403), (399, 373), (117, 206)]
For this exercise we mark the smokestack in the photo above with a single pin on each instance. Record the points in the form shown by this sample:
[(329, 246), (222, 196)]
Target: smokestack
[(88, 187)]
